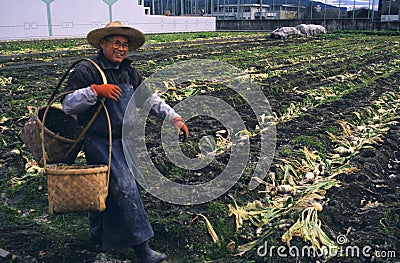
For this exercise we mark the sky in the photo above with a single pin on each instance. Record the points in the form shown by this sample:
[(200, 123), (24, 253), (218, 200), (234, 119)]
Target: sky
[(350, 3)]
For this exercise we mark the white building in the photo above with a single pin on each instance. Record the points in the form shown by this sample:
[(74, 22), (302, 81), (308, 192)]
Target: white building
[(244, 11), (22, 19), (388, 18), (252, 11)]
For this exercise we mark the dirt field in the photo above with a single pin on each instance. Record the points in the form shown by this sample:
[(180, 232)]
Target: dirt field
[(315, 86)]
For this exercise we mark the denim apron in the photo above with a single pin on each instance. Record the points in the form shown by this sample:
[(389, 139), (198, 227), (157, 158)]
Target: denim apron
[(124, 223)]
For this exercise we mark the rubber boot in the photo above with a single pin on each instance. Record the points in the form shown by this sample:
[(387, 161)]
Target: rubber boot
[(147, 255)]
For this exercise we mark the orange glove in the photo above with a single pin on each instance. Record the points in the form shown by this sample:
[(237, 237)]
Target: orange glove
[(107, 91), (179, 126)]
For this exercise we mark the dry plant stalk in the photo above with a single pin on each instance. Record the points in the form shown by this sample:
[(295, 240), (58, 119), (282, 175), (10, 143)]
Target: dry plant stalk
[(210, 228), (309, 228)]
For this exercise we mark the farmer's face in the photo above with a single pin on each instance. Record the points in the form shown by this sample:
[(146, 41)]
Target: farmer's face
[(115, 48)]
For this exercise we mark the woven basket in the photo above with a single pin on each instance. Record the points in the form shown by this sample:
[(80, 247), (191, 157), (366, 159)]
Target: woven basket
[(61, 131), (76, 188)]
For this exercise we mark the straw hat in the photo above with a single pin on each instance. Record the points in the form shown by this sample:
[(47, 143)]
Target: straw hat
[(135, 37)]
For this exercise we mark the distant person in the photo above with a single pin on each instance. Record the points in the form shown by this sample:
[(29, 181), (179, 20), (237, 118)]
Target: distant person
[(124, 222)]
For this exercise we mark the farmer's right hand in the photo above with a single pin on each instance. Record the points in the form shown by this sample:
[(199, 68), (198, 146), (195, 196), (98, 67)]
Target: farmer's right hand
[(107, 91)]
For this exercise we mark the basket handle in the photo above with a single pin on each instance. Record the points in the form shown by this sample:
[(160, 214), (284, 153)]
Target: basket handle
[(103, 76), (84, 131), (52, 100), (60, 82)]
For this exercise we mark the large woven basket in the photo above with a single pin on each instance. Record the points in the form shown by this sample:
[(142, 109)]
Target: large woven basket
[(76, 188)]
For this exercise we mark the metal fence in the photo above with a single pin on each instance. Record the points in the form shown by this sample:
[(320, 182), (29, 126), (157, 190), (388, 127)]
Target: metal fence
[(279, 9)]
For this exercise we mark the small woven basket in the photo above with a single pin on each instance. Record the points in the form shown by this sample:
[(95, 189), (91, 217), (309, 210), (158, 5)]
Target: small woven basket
[(75, 188)]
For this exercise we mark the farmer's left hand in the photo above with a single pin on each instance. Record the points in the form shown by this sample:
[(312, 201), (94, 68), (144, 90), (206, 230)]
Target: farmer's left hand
[(180, 126)]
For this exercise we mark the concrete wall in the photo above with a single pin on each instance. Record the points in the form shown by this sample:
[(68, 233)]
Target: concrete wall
[(24, 19), (330, 24)]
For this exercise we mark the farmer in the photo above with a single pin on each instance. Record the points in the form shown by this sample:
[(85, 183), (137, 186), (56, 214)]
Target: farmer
[(124, 222)]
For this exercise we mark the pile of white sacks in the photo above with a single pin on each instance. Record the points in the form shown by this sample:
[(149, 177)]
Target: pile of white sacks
[(299, 30)]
